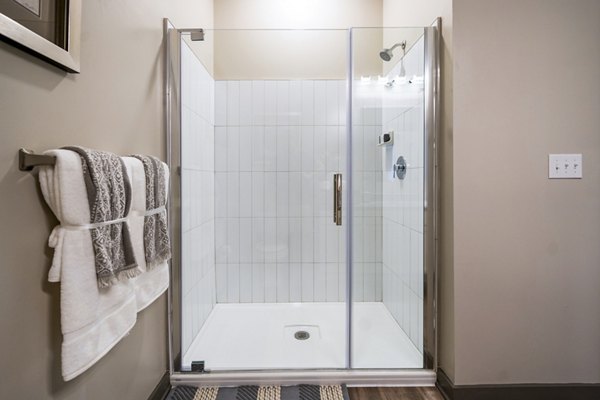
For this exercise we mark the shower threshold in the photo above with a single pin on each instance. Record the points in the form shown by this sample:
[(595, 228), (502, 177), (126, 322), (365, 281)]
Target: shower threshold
[(303, 342)]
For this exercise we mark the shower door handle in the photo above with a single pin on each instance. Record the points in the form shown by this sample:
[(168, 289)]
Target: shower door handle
[(337, 199)]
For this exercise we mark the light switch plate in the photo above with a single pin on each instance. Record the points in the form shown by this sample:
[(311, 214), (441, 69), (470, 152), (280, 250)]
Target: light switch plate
[(565, 166)]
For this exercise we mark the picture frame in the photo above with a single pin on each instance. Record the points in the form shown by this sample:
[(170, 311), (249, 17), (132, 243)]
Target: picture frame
[(62, 47)]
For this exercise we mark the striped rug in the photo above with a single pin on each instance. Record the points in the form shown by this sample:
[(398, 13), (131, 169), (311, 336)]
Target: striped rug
[(300, 392)]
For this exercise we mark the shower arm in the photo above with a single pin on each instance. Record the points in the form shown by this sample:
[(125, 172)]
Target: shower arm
[(402, 45)]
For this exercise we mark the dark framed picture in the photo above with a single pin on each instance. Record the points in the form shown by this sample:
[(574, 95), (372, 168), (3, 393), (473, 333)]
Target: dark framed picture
[(48, 29)]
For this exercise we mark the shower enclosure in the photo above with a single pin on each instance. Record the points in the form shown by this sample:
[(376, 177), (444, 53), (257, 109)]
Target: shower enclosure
[(302, 204)]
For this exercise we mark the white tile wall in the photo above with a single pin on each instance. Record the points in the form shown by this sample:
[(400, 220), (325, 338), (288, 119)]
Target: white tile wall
[(198, 206), (402, 212), (367, 194), (277, 146)]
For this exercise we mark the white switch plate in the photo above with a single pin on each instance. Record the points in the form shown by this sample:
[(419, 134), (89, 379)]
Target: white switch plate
[(565, 166)]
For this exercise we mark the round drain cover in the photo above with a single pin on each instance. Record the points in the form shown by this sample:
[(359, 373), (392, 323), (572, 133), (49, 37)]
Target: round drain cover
[(301, 335)]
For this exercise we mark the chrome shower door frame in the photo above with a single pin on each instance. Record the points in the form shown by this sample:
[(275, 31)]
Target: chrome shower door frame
[(369, 377)]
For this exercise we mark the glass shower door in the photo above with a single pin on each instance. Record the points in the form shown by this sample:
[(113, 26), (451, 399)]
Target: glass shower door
[(389, 155), (263, 264)]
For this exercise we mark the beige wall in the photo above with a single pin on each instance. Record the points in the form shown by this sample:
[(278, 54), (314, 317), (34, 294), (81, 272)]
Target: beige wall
[(291, 55), (526, 262), (115, 104), (420, 13)]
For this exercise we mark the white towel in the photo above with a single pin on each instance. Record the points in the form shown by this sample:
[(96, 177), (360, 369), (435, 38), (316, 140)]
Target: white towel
[(150, 284), (93, 320)]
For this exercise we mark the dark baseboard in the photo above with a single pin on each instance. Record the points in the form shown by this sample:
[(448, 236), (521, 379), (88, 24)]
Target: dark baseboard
[(450, 391), (162, 388)]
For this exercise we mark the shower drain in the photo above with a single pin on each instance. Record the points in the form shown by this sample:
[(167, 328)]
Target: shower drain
[(301, 335)]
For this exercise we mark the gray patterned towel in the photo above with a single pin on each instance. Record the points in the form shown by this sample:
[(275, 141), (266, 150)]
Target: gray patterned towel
[(157, 244), (109, 198)]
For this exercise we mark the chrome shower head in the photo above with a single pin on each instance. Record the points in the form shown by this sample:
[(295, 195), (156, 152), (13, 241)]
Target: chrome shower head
[(386, 54)]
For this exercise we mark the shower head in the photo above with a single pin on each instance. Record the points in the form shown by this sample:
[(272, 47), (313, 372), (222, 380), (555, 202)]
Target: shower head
[(386, 54)]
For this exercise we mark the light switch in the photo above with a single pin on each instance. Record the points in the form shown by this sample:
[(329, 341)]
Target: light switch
[(565, 166)]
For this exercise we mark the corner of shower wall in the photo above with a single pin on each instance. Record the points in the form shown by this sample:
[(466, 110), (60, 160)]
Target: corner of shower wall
[(197, 195)]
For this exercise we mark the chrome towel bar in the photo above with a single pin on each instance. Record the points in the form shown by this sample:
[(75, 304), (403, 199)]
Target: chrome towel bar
[(28, 160)]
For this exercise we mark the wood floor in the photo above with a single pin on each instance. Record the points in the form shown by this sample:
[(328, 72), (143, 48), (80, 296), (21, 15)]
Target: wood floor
[(394, 393)]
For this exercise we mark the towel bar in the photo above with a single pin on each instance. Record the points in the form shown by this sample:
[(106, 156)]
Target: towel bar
[(28, 160)]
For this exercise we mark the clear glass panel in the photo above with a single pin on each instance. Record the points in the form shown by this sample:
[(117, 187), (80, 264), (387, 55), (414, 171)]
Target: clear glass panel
[(263, 264), (387, 210)]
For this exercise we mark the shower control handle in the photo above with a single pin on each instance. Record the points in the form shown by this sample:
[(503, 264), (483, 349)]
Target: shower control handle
[(337, 199), (400, 168)]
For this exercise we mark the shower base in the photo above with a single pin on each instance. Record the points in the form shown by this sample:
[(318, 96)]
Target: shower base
[(270, 336)]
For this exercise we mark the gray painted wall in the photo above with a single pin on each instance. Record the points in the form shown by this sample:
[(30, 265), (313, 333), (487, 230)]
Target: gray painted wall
[(526, 249), (115, 104)]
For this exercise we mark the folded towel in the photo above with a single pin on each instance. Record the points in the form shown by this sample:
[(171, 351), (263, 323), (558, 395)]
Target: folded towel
[(109, 198), (157, 244), (93, 319), (152, 283)]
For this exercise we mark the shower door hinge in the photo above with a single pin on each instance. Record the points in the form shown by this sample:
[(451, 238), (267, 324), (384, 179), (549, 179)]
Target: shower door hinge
[(198, 366)]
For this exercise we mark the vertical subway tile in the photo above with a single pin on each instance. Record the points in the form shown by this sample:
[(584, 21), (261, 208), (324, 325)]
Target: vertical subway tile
[(295, 240), (258, 194), (245, 104), (295, 148), (220, 103), (258, 282), (295, 194), (320, 102), (308, 282), (221, 281), (308, 102), (320, 281), (258, 148), (221, 149), (245, 283), (233, 194), (270, 194), (295, 102), (270, 146), (283, 102), (320, 148), (308, 150), (295, 282), (283, 139), (332, 154), (282, 240), (233, 103), (233, 240), (283, 282), (245, 240), (332, 282), (233, 283), (270, 240), (270, 103), (332, 102), (270, 283), (258, 240), (245, 148), (233, 148), (307, 232), (282, 194), (245, 194), (258, 103)]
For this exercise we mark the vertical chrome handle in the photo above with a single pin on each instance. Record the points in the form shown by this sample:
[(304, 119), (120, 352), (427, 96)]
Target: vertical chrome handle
[(337, 199)]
